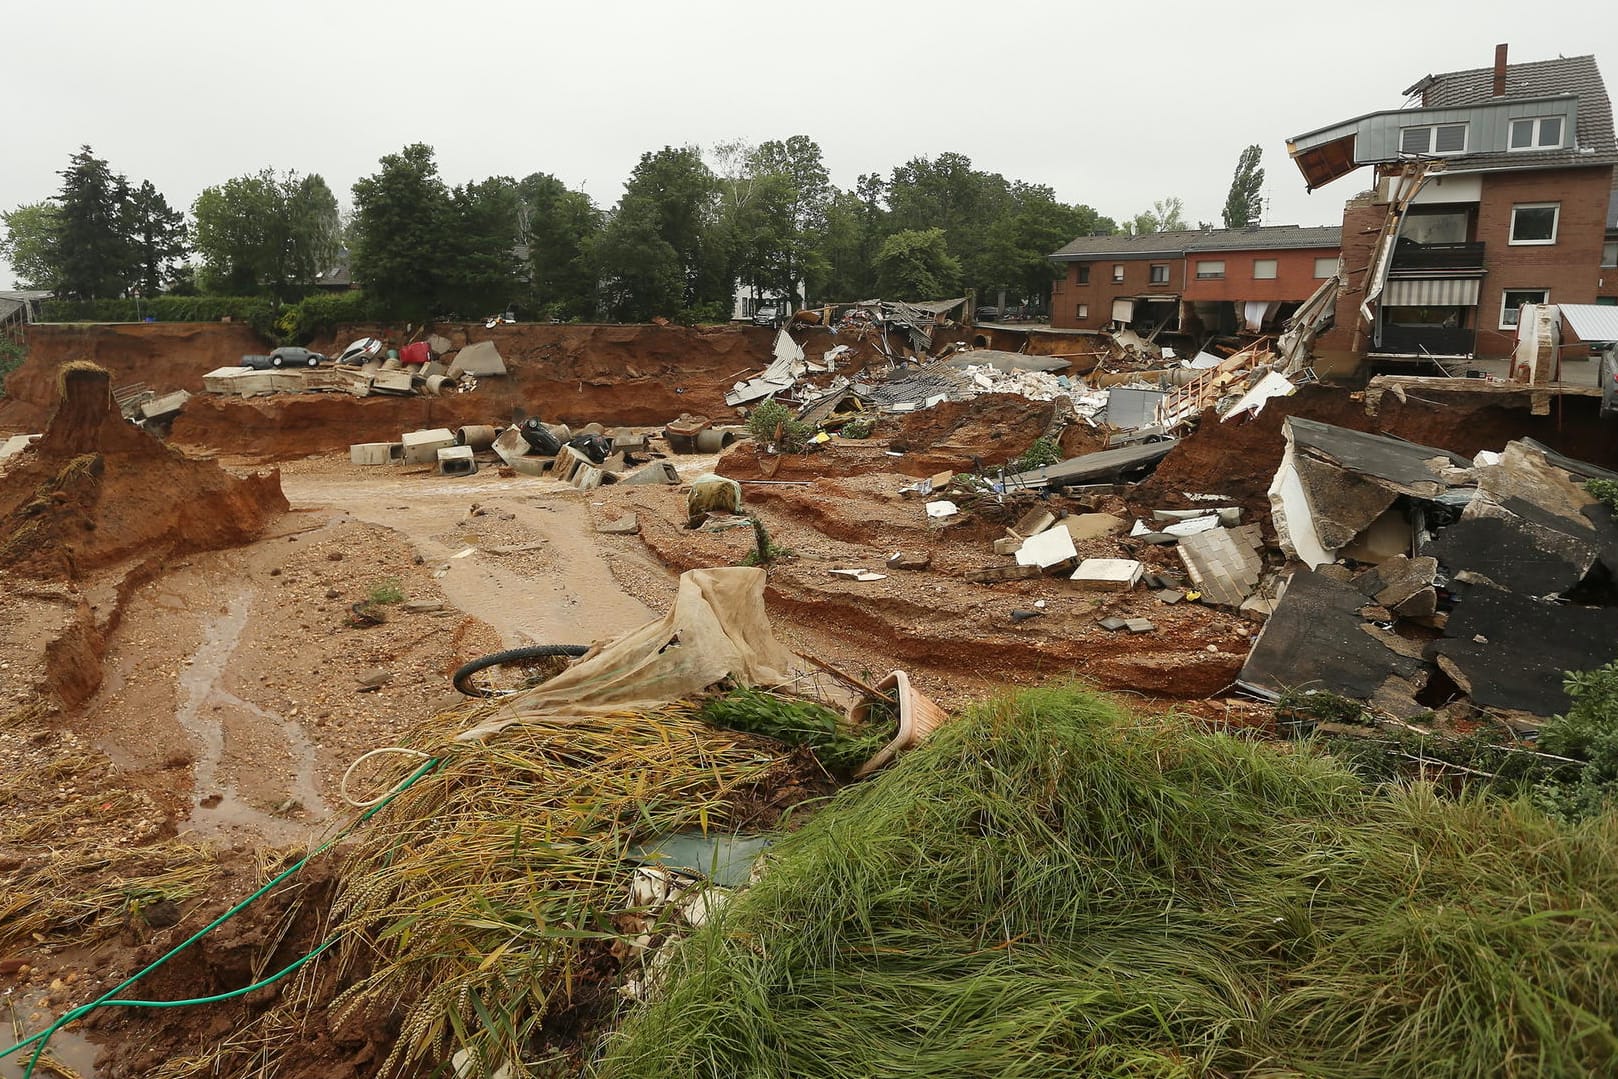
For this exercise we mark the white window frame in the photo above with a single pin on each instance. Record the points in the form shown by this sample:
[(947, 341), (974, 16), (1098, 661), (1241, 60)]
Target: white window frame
[(1152, 273), (1539, 125), (1274, 266), (1544, 297), (1208, 274), (1117, 273), (1331, 262), (1609, 255), (1432, 139), (1083, 311), (1556, 223)]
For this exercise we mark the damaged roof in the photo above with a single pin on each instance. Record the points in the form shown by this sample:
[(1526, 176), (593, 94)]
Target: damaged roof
[(1183, 242), (1570, 86)]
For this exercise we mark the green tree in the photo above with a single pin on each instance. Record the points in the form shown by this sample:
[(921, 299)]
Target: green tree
[(790, 222), (669, 208), (93, 253), (915, 264), (157, 236), (1166, 215), (1244, 205), (560, 226), (856, 223), (266, 235), (478, 266), (30, 243), (1018, 246), (403, 216)]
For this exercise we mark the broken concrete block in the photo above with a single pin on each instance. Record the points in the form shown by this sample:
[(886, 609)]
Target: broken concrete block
[(1034, 521), (627, 525), (398, 383), (433, 367), (656, 472), (480, 361), (1401, 578), (1108, 574), (1050, 548), (1113, 623), (1139, 625), (908, 561), (224, 379), (1421, 604), (942, 509), (167, 405), (990, 574), (587, 477), (372, 453), (1171, 596), (858, 574), (1192, 526), (456, 461), (421, 447), (1089, 526), (1008, 545)]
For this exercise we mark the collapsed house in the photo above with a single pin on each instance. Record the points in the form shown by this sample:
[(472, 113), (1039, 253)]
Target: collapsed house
[(1427, 577)]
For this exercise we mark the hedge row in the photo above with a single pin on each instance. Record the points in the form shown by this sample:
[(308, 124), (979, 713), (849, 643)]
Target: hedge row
[(297, 323)]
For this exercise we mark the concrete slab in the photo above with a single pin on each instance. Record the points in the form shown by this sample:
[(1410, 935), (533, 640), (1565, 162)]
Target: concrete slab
[(657, 472), (1223, 563), (1139, 625), (167, 405), (1049, 548), (371, 453), (587, 477), (1008, 545), (1108, 574), (398, 383), (16, 444), (480, 360), (1089, 526), (626, 525), (421, 447), (990, 574)]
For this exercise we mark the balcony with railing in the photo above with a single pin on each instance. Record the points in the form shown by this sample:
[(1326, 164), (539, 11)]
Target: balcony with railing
[(1417, 259), (1395, 340)]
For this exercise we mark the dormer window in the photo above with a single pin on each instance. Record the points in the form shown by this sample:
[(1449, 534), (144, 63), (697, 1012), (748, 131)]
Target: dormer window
[(1433, 139), (1536, 133)]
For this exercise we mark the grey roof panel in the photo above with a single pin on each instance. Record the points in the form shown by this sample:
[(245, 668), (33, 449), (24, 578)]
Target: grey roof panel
[(1189, 241), (1564, 75)]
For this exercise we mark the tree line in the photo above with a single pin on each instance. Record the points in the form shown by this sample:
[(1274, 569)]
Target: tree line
[(689, 227)]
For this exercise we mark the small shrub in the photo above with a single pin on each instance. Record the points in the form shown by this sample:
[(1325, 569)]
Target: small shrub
[(860, 428), (386, 592), (11, 357), (1587, 733), (773, 424), (1042, 453), (1606, 491)]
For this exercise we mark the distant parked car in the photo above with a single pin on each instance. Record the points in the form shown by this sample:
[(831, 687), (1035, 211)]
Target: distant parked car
[(987, 314), (291, 356)]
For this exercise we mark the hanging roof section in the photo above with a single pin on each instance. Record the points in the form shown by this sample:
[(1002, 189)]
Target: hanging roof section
[(1569, 87), (1191, 241)]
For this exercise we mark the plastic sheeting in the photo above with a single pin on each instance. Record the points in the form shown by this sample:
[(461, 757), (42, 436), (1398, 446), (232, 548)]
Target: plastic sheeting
[(717, 629)]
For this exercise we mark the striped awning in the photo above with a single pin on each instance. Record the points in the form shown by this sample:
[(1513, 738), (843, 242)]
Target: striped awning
[(1432, 292)]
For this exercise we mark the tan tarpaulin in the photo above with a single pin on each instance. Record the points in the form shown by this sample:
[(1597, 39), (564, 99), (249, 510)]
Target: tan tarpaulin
[(717, 629)]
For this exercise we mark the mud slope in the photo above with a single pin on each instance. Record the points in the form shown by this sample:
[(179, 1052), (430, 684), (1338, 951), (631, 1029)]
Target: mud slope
[(163, 355), (96, 491)]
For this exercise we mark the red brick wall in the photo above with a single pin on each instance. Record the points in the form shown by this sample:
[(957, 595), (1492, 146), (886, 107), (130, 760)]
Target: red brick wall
[(1294, 275), (1362, 218), (1097, 296), (1570, 268)]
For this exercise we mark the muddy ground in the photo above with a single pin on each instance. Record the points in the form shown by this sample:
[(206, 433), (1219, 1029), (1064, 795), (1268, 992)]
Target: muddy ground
[(184, 677)]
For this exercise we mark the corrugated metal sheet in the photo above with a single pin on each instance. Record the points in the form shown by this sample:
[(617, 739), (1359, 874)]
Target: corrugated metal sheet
[(1432, 292), (1592, 321)]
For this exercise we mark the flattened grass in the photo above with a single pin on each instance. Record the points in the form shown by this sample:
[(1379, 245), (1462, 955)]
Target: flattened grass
[(1050, 887)]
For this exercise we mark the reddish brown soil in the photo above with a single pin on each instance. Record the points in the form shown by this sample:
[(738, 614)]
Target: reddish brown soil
[(164, 356), (992, 428), (96, 491)]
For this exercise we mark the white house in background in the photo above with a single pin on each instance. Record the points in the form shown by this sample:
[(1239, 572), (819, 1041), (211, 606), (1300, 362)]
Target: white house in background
[(762, 305)]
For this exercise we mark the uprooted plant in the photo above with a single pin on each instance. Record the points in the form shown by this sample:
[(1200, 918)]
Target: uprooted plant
[(772, 424)]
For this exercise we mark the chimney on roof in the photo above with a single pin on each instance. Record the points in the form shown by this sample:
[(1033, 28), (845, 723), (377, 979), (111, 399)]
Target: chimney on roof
[(1500, 70)]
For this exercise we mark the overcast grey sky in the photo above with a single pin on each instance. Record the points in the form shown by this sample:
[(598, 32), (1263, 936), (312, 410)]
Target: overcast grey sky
[(1113, 105)]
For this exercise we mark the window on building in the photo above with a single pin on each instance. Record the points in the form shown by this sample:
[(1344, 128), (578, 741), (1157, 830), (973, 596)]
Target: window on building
[(1607, 301), (1210, 270), (1082, 270), (1609, 254), (1160, 274), (1325, 267), (1433, 139), (1512, 302), (1534, 222), (1536, 133), (1117, 272), (1083, 311), (1435, 226), (1264, 269)]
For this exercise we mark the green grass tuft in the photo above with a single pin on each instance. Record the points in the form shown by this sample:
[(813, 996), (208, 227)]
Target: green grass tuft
[(1052, 887)]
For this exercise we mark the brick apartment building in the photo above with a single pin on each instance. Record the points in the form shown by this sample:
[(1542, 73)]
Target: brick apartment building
[(1195, 282), (1516, 207)]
